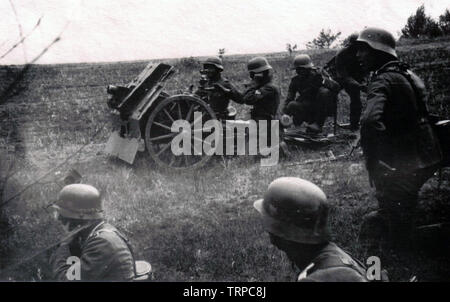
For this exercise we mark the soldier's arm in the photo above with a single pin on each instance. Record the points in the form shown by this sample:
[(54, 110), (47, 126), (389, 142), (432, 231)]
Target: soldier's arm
[(94, 262), (254, 95), (234, 93), (316, 81), (372, 118), (373, 129), (290, 95), (201, 93), (330, 83), (345, 64), (58, 262), (96, 259), (341, 63)]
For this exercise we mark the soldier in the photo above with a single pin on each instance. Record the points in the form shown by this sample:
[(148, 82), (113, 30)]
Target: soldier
[(216, 90), (349, 75), (295, 214), (262, 94), (317, 94), (399, 146), (104, 252)]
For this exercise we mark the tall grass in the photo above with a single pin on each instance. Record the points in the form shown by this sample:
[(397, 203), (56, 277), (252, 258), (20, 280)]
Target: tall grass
[(192, 226)]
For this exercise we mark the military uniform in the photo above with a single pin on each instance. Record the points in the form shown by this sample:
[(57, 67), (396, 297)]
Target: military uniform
[(332, 264), (315, 101), (399, 145), (349, 75), (219, 98), (104, 254), (294, 212), (264, 99)]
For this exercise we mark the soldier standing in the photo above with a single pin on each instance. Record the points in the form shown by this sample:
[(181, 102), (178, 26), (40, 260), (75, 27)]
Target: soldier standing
[(294, 212), (104, 252), (399, 145), (215, 90), (349, 75), (317, 94)]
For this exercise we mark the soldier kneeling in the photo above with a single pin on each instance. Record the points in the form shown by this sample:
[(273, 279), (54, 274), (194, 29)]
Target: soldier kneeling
[(316, 98), (104, 252), (295, 214)]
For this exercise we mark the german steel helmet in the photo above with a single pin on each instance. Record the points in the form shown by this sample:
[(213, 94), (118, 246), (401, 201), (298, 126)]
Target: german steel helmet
[(296, 210), (216, 61), (303, 61), (79, 201), (378, 39), (258, 64)]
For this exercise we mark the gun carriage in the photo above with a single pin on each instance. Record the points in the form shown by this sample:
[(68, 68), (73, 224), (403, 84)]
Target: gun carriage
[(146, 113)]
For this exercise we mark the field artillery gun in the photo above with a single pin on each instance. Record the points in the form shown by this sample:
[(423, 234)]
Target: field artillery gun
[(146, 113)]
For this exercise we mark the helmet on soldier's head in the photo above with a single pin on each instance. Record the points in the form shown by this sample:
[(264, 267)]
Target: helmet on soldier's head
[(378, 39), (216, 61), (303, 61), (79, 201), (295, 210), (258, 64)]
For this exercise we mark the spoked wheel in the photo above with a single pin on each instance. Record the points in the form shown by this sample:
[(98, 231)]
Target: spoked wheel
[(158, 134)]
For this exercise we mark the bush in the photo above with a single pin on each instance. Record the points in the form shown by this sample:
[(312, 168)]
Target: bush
[(444, 22), (189, 63), (325, 39), (420, 24)]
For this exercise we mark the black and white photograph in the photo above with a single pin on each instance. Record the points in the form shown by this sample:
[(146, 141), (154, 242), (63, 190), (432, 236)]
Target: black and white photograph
[(203, 142)]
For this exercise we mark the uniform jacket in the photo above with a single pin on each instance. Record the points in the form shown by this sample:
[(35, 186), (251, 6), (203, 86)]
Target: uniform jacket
[(394, 131), (104, 255), (308, 88), (332, 264), (265, 100), (219, 99)]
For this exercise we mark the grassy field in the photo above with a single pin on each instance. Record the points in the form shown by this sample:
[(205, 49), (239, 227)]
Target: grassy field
[(192, 226)]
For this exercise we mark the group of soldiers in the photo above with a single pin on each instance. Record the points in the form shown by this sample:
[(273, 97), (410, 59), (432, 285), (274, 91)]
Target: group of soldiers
[(316, 92), (401, 152), (311, 95)]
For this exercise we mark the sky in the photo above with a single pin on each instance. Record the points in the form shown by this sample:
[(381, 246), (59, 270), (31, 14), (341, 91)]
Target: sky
[(124, 30)]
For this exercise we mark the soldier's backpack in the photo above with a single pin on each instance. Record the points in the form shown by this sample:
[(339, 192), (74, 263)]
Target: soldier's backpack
[(440, 125)]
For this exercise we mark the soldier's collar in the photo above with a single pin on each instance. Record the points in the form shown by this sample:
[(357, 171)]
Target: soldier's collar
[(392, 66), (95, 229)]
